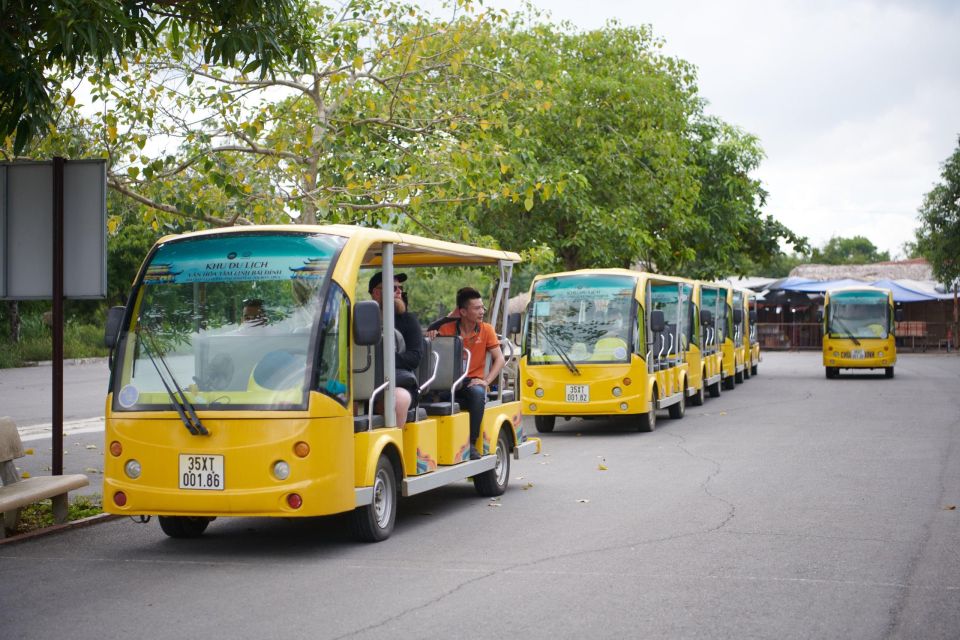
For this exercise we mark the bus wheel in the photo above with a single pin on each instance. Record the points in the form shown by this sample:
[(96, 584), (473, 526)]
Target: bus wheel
[(679, 408), (888, 372), (697, 398), (494, 482), (832, 372), (544, 424), (754, 369), (183, 526), (374, 522), (738, 377), (714, 389), (746, 372), (728, 383), (648, 420)]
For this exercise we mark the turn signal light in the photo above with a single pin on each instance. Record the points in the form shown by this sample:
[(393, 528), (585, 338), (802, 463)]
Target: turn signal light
[(301, 449), (529, 382), (627, 382), (120, 499), (294, 500), (116, 449)]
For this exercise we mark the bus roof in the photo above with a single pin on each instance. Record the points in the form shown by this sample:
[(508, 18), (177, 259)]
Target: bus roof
[(856, 289), (642, 275), (409, 250)]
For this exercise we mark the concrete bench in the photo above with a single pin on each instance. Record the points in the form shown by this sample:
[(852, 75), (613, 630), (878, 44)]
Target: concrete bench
[(16, 493)]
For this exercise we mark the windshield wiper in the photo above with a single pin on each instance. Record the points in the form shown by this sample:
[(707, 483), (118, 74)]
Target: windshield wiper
[(183, 407), (847, 331), (560, 352)]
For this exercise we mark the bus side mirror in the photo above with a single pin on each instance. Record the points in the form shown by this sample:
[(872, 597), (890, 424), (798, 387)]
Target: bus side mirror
[(738, 316), (657, 321), (111, 332), (753, 316), (513, 324), (706, 317), (366, 323), (898, 315), (820, 315)]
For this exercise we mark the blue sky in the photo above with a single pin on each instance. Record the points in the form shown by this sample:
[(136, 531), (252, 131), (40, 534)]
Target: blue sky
[(856, 103)]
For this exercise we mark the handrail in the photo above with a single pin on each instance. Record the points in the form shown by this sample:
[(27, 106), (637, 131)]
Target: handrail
[(370, 408), (433, 376), (466, 370)]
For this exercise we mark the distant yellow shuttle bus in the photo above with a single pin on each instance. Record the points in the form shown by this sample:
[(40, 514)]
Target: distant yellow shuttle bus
[(858, 330), (607, 342)]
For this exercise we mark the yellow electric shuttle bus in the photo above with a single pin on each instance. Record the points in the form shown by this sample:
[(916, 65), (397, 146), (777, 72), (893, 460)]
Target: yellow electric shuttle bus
[(741, 335), (289, 412), (753, 341), (858, 330), (605, 342), (710, 302)]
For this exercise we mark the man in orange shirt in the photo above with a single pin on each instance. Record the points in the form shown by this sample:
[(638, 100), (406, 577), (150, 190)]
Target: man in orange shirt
[(479, 338)]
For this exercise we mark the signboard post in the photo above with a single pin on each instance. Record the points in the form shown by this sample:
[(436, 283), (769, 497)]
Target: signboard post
[(42, 203)]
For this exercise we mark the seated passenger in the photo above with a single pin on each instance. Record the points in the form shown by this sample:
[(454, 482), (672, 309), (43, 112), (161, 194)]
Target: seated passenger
[(479, 338)]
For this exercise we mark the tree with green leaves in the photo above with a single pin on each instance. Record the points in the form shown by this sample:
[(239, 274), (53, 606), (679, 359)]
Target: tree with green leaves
[(43, 43), (855, 250), (938, 238)]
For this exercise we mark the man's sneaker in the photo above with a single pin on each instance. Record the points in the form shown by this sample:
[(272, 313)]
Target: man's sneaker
[(474, 454)]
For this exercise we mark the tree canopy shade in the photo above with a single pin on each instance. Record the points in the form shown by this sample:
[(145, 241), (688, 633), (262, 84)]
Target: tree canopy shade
[(938, 238), (40, 40), (855, 250)]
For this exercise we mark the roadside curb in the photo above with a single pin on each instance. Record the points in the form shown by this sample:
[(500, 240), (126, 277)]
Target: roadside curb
[(73, 361), (58, 528)]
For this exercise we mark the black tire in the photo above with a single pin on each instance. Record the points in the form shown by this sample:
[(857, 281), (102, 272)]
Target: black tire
[(544, 424), (746, 372), (888, 372), (698, 398), (728, 383), (715, 389), (754, 369), (648, 420), (494, 482), (832, 372), (678, 409), (183, 526), (374, 522), (738, 377)]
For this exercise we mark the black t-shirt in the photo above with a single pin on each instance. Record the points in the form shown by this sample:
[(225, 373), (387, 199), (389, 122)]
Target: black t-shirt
[(409, 327)]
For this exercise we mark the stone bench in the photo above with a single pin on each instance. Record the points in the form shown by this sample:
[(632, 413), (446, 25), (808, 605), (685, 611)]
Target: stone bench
[(16, 493)]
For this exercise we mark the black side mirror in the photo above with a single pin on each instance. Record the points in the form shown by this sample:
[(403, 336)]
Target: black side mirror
[(820, 315), (111, 332), (513, 324), (898, 315), (738, 316), (706, 317), (657, 322), (366, 323), (753, 316)]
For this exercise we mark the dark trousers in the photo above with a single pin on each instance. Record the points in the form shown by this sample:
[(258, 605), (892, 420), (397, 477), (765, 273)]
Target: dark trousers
[(473, 399)]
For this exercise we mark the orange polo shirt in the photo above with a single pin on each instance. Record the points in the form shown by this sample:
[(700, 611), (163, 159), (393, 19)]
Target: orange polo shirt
[(476, 342)]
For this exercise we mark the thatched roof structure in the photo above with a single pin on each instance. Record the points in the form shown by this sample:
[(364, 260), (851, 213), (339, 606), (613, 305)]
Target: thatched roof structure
[(918, 269)]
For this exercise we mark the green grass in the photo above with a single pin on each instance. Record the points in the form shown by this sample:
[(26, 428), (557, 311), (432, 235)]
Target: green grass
[(36, 342), (39, 515)]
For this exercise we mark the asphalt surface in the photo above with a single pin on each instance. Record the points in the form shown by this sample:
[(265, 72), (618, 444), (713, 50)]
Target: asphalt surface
[(791, 507)]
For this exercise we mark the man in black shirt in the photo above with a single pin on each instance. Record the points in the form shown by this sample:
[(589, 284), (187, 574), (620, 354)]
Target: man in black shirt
[(408, 358)]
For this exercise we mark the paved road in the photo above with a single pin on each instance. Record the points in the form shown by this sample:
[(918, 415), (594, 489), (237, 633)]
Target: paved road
[(792, 507)]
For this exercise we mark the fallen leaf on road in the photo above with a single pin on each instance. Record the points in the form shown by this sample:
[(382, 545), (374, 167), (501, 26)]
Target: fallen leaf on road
[(950, 507), (494, 504), (723, 413), (91, 470), (601, 467), (527, 486), (29, 452), (25, 475), (583, 500), (91, 446)]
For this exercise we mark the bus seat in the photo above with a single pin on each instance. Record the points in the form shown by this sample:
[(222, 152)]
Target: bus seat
[(367, 376), (449, 350)]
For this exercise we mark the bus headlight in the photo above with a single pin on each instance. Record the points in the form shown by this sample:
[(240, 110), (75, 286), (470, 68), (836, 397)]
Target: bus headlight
[(836, 354), (624, 406), (880, 354), (617, 392), (281, 470), (533, 407), (539, 392), (132, 469)]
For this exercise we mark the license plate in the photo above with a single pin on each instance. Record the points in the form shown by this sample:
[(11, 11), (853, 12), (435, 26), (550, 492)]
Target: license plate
[(203, 472), (578, 393), (857, 354)]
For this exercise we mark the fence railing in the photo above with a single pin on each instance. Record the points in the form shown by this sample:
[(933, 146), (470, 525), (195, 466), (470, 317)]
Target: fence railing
[(911, 336)]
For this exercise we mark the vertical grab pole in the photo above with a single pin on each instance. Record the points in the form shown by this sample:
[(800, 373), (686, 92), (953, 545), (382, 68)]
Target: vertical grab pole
[(57, 400), (389, 340)]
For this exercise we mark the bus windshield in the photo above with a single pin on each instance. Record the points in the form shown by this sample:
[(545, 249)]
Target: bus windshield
[(859, 314), (581, 319), (227, 322)]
